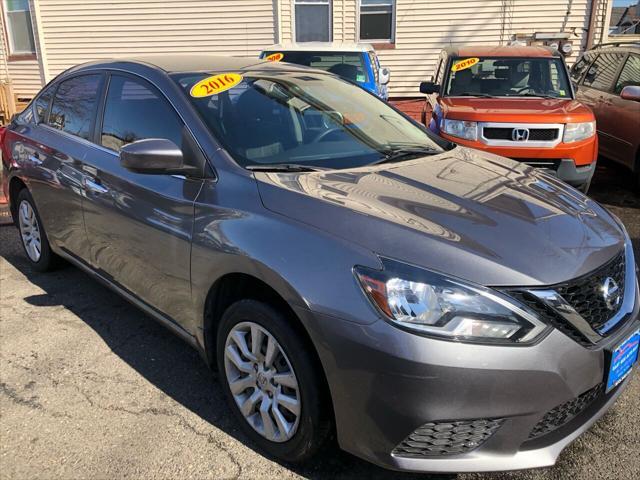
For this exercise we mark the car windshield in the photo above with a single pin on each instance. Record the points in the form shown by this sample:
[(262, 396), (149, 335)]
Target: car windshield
[(349, 66), (300, 118), (507, 77)]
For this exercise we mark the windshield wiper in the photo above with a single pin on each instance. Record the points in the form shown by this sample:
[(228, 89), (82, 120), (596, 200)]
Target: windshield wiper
[(281, 167), (539, 95), (405, 153), (472, 94)]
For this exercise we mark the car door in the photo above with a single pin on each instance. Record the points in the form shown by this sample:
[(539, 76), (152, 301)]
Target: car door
[(596, 91), (56, 144), (140, 225), (623, 115)]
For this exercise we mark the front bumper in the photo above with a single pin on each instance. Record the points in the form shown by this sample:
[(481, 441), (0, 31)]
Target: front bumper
[(386, 383), (573, 163)]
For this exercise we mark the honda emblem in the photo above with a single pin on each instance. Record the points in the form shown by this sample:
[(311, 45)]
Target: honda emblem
[(520, 134)]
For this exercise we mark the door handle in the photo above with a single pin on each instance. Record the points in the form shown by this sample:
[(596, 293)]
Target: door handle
[(94, 186)]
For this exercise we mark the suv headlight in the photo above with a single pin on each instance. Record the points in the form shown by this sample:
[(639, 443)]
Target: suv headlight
[(461, 129), (574, 132), (432, 304)]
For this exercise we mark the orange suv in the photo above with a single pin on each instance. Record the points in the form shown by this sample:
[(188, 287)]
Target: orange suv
[(516, 102)]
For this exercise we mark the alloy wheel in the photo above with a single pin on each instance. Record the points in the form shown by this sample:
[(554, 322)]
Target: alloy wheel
[(29, 230), (262, 381)]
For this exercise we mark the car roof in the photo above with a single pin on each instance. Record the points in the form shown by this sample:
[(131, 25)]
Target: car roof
[(621, 46), (502, 51), (320, 46), (192, 63)]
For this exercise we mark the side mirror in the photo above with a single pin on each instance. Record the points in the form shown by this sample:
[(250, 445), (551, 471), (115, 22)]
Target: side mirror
[(631, 92), (153, 156), (429, 87), (384, 75)]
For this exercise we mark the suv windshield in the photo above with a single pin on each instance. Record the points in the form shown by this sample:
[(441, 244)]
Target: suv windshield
[(349, 66), (507, 77), (307, 119)]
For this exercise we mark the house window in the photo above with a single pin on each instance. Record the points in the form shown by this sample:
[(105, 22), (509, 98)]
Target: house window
[(313, 20), (377, 20), (19, 29)]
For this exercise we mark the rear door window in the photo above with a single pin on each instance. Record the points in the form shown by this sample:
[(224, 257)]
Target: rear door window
[(74, 105), (602, 73), (135, 110), (630, 74)]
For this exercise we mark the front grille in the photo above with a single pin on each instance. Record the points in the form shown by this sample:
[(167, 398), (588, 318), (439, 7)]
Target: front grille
[(585, 294), (550, 317), (447, 438), (535, 134), (562, 414)]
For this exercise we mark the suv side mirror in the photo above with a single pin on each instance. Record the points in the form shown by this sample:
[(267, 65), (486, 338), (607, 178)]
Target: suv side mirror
[(384, 75), (631, 92), (153, 156), (429, 87)]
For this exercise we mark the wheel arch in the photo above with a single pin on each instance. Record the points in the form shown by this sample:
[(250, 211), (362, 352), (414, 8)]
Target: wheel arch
[(16, 184), (236, 286)]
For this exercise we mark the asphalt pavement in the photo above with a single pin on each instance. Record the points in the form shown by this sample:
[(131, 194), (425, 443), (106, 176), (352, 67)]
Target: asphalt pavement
[(90, 387)]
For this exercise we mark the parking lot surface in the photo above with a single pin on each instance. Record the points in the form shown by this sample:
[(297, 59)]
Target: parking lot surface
[(92, 388)]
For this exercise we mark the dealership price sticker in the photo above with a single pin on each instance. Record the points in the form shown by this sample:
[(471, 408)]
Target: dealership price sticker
[(463, 64), (215, 84), (274, 57)]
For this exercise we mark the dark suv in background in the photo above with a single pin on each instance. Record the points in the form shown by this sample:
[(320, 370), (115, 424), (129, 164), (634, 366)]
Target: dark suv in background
[(607, 79)]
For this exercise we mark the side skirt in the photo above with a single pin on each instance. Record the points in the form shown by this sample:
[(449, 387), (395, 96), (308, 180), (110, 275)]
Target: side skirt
[(130, 297)]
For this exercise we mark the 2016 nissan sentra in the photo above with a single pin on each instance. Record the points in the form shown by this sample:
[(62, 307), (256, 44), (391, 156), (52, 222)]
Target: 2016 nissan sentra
[(438, 308)]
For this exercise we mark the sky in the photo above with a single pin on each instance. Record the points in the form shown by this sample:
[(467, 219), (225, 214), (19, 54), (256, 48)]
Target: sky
[(623, 3)]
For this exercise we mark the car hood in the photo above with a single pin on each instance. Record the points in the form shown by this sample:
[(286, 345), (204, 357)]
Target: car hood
[(467, 213), (521, 110)]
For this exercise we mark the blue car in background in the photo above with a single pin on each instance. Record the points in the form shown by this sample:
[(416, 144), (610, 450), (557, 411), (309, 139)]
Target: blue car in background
[(355, 62)]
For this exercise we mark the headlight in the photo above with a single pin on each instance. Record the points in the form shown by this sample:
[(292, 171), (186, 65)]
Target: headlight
[(461, 129), (574, 132), (433, 304)]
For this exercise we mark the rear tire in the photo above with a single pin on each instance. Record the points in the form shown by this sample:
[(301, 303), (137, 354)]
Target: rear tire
[(265, 384), (32, 235)]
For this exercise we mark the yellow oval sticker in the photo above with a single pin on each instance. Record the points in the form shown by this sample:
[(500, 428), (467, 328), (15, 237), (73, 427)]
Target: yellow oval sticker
[(274, 57), (216, 84), (463, 64)]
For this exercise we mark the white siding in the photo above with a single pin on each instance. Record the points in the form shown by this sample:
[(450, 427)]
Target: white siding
[(344, 20), (3, 55), (74, 32), (286, 15), (424, 27), (25, 77)]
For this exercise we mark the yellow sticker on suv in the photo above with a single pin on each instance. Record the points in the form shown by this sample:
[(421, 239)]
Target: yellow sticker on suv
[(463, 64), (274, 57), (215, 84)]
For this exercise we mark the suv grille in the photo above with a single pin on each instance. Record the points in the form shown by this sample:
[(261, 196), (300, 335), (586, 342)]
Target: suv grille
[(447, 438), (535, 134), (564, 413), (585, 294)]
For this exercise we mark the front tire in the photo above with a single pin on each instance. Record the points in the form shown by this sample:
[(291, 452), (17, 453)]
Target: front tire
[(34, 239), (271, 381)]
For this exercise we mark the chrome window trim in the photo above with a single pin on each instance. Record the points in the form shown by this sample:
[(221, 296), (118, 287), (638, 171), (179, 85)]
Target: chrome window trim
[(526, 144)]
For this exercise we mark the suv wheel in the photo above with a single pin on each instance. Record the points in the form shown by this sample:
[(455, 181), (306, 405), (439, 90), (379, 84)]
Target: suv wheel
[(34, 239), (271, 382)]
